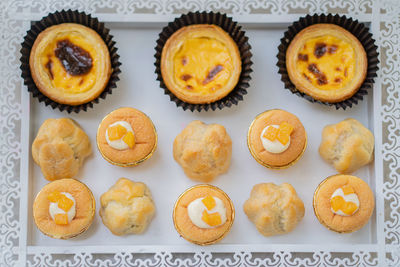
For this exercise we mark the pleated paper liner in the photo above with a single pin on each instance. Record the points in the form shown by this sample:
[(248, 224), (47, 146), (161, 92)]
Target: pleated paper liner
[(236, 33), (359, 30), (68, 16)]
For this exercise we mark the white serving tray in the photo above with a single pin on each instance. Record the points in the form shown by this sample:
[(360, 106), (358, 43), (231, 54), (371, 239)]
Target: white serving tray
[(309, 244)]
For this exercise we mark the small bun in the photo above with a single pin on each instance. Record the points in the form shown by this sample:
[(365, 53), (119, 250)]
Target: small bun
[(274, 209), (60, 148), (204, 151), (347, 145)]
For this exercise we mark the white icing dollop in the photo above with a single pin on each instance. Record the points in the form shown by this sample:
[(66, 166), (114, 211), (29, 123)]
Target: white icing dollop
[(275, 146), (54, 209), (197, 207), (348, 198), (119, 144)]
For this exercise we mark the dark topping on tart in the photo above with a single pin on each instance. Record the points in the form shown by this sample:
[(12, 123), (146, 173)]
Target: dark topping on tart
[(81, 82), (338, 80), (332, 49), (319, 50), (212, 73), (75, 60), (184, 61), (338, 69), (307, 78), (345, 72), (48, 66), (186, 77), (189, 87), (302, 57), (321, 78)]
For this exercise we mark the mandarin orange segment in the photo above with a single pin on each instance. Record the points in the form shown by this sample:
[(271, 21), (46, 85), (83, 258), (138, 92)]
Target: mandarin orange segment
[(285, 129), (129, 139), (61, 219), (116, 132), (209, 202), (349, 208), (54, 196), (212, 219), (337, 203), (347, 190), (271, 133), (65, 203)]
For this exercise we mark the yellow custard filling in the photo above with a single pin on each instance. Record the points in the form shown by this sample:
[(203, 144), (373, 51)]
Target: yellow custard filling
[(202, 65), (58, 75), (327, 62)]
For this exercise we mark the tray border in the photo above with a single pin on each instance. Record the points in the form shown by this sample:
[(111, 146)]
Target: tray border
[(15, 105)]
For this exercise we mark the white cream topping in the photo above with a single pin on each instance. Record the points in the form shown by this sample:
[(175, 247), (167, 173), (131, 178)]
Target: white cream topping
[(54, 209), (348, 198), (197, 207), (273, 146), (119, 144)]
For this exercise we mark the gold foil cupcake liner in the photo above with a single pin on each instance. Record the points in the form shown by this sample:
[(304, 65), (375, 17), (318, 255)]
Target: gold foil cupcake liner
[(269, 166), (231, 219), (134, 163)]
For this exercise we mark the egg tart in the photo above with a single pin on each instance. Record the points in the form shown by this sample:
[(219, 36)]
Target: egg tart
[(326, 62), (203, 214), (343, 203), (126, 137), (200, 63), (276, 139), (64, 208), (70, 63)]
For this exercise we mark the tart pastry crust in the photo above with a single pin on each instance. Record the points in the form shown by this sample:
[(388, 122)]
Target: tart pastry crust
[(326, 62), (200, 63), (70, 63)]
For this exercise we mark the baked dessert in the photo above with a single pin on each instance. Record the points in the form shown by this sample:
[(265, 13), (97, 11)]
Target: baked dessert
[(70, 63), (343, 203), (326, 62), (200, 63), (126, 137), (274, 209), (203, 214), (127, 207), (203, 151), (347, 145), (64, 208), (276, 139), (60, 147)]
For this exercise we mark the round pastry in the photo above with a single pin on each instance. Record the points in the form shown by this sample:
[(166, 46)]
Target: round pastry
[(127, 207), (276, 139), (326, 62), (203, 151), (126, 137), (203, 214), (70, 63), (60, 148), (200, 63), (347, 145), (64, 208), (343, 203), (274, 209)]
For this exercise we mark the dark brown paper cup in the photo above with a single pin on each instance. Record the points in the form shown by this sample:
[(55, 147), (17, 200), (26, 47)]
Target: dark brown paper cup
[(238, 35), (359, 30), (68, 16)]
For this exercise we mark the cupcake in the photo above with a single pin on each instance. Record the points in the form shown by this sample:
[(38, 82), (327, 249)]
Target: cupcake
[(203, 214), (69, 60), (276, 139), (343, 203), (203, 61), (203, 151), (64, 209), (126, 137), (328, 59)]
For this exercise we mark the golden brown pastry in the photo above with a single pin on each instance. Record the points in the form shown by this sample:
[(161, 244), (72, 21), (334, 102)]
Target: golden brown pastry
[(343, 203), (127, 207), (200, 63), (274, 209), (326, 62), (126, 137), (203, 151), (203, 214), (276, 139), (70, 63), (64, 208), (60, 148), (347, 145)]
